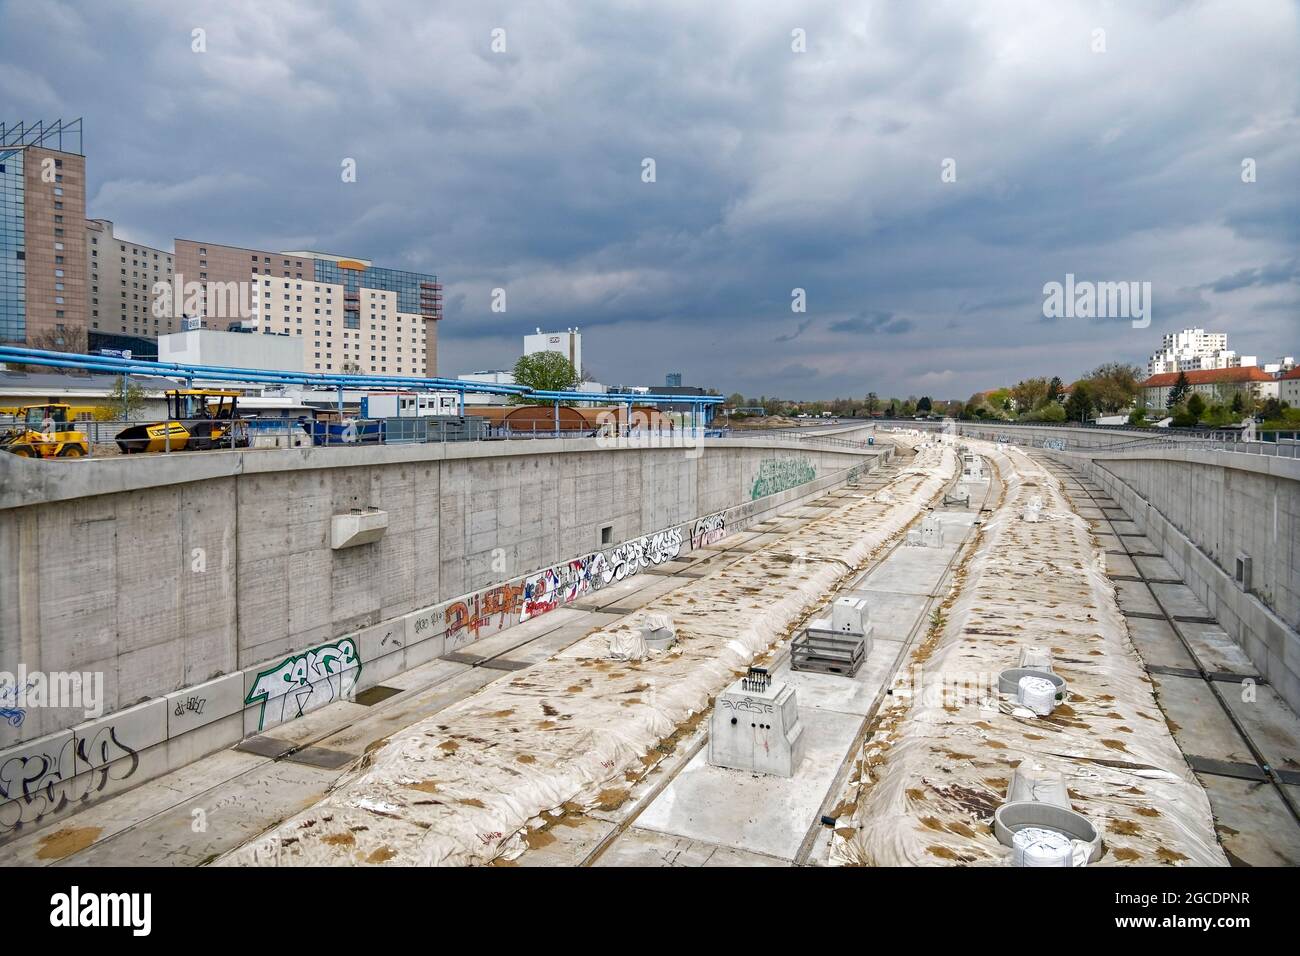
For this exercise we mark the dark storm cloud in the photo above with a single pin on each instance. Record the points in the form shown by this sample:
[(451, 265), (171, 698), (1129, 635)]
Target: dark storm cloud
[(775, 170), (884, 322), (1273, 274)]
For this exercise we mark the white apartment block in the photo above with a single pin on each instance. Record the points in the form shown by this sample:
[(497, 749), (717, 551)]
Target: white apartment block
[(1194, 350), (383, 342)]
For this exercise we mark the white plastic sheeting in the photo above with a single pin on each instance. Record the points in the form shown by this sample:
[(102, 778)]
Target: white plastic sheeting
[(461, 787), (946, 744)]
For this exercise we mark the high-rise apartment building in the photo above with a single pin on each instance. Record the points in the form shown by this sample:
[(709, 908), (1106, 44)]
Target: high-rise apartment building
[(43, 275), (122, 279), (1195, 349), (351, 315)]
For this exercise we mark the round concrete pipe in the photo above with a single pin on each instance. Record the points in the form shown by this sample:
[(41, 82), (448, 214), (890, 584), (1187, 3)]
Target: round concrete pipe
[(1010, 817), (1009, 680)]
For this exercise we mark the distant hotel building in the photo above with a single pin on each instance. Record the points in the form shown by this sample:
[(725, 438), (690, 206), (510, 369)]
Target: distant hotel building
[(351, 315), (122, 276), (43, 286), (1214, 385), (72, 283)]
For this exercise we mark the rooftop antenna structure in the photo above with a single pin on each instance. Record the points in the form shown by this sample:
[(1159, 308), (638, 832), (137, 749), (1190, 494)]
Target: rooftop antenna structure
[(50, 135)]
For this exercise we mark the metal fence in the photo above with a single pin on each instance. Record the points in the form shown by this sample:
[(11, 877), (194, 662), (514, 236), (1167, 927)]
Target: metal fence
[(257, 433)]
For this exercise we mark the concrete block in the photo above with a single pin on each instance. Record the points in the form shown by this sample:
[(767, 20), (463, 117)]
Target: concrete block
[(130, 731), (197, 706), (757, 730), (357, 528)]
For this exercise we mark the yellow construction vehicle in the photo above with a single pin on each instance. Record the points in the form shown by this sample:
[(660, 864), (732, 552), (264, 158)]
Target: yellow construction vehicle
[(45, 431), (197, 420)]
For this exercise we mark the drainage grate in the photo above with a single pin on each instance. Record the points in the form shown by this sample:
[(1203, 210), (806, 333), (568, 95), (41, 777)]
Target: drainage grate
[(1168, 671), (505, 664), (456, 657), (264, 746), (1145, 615), (377, 694), (1193, 619), (1225, 677), (321, 757), (1226, 768)]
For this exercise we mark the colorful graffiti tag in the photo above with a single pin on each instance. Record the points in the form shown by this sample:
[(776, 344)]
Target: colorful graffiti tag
[(484, 613), (708, 530), (303, 682), (565, 583), (780, 474)]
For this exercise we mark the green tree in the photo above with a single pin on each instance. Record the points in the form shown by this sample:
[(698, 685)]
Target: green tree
[(1179, 391), (1029, 394), (736, 400), (1079, 405), (1113, 386), (545, 372), (1054, 389), (1196, 406), (873, 403), (924, 405), (1237, 405), (125, 399)]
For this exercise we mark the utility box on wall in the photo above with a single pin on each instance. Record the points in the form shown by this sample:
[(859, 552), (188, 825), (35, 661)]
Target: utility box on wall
[(357, 527)]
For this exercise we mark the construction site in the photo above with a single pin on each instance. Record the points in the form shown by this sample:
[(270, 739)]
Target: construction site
[(859, 645)]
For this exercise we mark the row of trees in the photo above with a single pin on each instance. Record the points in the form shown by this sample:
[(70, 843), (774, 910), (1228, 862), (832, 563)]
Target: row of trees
[(1107, 389)]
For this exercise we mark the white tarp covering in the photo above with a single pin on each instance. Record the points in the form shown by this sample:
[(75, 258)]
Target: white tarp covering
[(937, 765), (458, 787)]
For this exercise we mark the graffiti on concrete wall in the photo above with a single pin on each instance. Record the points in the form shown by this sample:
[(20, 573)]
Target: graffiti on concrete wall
[(303, 682), (74, 769), (708, 530), (779, 474), (484, 613), (565, 583), (1056, 444)]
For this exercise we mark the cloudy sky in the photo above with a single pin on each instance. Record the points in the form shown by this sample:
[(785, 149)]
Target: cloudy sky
[(1114, 155)]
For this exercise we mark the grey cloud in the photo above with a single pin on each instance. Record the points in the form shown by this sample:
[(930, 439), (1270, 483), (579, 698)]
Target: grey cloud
[(775, 170)]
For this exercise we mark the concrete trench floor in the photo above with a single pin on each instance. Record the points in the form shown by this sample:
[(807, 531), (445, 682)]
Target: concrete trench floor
[(217, 803), (1253, 822)]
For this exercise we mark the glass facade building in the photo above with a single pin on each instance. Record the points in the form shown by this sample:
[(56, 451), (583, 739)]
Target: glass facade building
[(406, 284), (13, 249)]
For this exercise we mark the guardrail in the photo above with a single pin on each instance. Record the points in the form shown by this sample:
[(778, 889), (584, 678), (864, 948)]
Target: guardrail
[(258, 433)]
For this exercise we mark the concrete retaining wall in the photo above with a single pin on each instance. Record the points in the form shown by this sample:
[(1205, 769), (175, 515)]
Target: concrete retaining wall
[(212, 604), (1200, 509)]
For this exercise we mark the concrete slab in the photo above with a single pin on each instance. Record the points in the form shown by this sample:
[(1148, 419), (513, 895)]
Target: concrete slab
[(755, 812), (893, 615), (1179, 600), (1157, 568), (1198, 722), (910, 570), (1253, 823), (1134, 596), (1218, 652), (638, 847), (1158, 644), (845, 695), (1120, 564), (1272, 725), (565, 843), (229, 815)]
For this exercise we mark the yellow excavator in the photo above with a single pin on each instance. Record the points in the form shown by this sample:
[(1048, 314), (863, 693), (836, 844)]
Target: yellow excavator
[(45, 431), (197, 420)]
